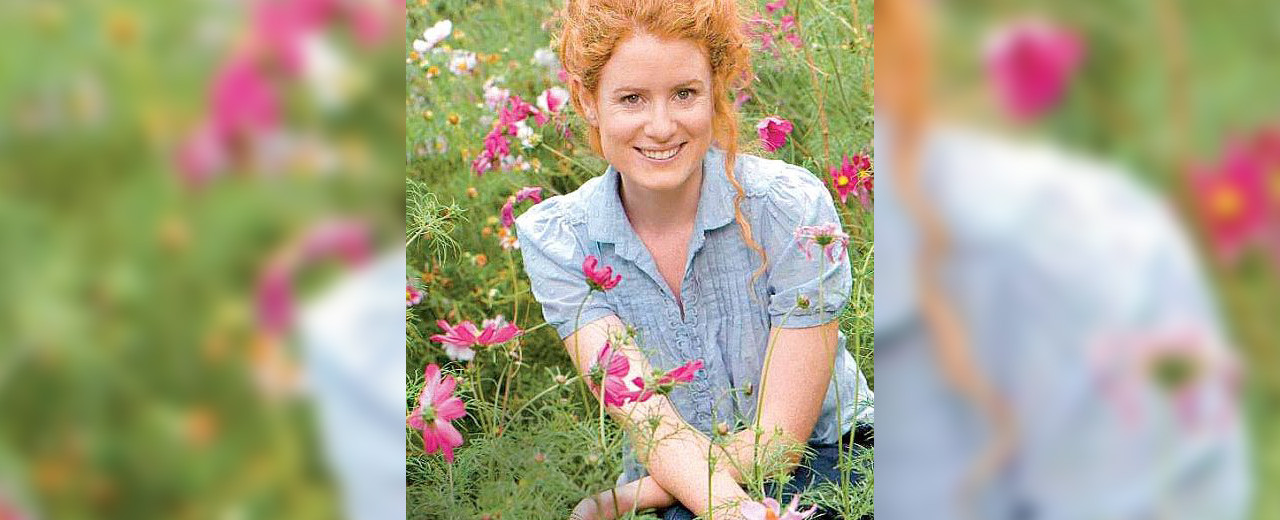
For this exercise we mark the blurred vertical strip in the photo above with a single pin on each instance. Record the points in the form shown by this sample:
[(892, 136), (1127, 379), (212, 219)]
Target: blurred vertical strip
[(175, 178)]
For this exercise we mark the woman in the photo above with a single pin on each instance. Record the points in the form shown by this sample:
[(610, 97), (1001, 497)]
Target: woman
[(652, 79)]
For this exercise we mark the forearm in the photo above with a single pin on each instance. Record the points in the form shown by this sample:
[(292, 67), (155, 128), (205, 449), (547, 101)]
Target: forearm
[(643, 493), (678, 462)]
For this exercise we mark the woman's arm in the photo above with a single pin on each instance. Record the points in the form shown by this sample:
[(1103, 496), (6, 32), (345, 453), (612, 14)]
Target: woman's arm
[(793, 385), (677, 456), (643, 493)]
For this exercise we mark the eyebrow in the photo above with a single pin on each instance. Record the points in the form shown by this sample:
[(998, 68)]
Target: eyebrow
[(685, 83)]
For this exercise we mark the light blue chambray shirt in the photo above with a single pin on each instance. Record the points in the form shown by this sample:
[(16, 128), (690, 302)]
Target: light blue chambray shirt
[(722, 324), (1051, 255)]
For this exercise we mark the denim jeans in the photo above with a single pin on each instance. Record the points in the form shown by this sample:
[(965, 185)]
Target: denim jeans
[(820, 466)]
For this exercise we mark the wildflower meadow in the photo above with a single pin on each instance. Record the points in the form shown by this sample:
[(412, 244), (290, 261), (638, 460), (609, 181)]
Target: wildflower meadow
[(500, 424)]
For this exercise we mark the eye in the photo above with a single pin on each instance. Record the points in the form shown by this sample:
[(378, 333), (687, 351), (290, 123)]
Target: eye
[(631, 99), (685, 93)]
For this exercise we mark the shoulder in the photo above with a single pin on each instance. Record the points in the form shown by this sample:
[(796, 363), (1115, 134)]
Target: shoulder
[(783, 190), (558, 217)]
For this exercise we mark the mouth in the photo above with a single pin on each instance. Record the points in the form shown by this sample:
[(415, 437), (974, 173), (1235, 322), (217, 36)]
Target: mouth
[(661, 155)]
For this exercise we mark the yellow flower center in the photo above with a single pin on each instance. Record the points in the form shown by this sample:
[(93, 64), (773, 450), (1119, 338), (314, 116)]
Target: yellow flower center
[(842, 180), (1226, 202), (770, 515)]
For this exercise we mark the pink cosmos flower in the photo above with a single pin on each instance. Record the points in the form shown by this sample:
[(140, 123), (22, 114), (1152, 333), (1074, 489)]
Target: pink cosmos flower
[(609, 369), (1231, 202), (458, 340), (529, 192), (854, 176), (1030, 62), (243, 101), (274, 297), (770, 509), (550, 102), (1181, 363), (508, 213), (517, 110), (775, 5), (496, 330), (828, 236), (495, 144), (412, 295), (482, 163), (668, 381), (599, 279), (436, 408), (773, 132), (741, 99)]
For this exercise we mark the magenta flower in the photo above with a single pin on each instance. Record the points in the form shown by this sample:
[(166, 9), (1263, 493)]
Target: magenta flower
[(412, 295), (517, 110), (1231, 202), (853, 177), (529, 192), (496, 330), (244, 103), (775, 5), (508, 213), (495, 144), (550, 102), (773, 132), (770, 509), (609, 370), (482, 163), (667, 382), (1029, 63), (458, 340), (599, 279), (436, 408), (828, 236)]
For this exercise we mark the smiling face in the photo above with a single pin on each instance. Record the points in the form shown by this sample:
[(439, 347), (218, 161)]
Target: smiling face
[(654, 109)]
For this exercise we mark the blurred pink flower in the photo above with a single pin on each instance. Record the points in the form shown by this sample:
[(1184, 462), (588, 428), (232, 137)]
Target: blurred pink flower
[(1183, 363), (412, 295), (609, 369), (508, 213), (740, 99), (482, 163), (436, 408), (496, 330), (1231, 202), (517, 110), (348, 239), (282, 27), (274, 298), (529, 192), (773, 132), (854, 176), (775, 5), (243, 101), (1030, 62), (828, 236), (665, 383), (599, 279), (458, 340), (770, 509), (201, 156)]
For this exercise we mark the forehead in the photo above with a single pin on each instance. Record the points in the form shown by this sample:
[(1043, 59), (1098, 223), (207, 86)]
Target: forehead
[(643, 60)]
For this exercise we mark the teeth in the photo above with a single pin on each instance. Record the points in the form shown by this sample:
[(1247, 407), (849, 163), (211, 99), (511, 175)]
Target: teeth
[(667, 154)]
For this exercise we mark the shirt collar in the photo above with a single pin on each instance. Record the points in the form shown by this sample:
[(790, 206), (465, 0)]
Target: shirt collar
[(607, 222)]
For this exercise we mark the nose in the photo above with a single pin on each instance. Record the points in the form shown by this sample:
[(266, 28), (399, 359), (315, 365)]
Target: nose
[(661, 128)]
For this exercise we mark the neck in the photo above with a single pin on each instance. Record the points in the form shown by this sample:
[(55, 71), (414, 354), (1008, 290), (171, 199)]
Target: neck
[(661, 210)]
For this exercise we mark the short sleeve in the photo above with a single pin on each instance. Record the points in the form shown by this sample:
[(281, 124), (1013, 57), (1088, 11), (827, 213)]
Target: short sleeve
[(553, 259), (797, 198)]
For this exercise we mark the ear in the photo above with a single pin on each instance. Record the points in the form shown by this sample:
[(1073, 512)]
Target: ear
[(585, 99)]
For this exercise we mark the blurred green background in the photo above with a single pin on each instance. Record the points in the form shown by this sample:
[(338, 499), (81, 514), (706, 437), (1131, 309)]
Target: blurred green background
[(130, 335)]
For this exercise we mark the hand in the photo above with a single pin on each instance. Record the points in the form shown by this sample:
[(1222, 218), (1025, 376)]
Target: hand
[(585, 510)]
